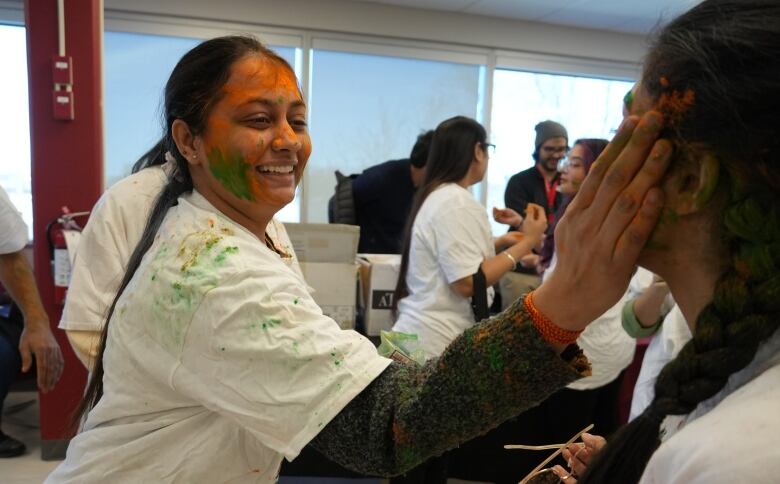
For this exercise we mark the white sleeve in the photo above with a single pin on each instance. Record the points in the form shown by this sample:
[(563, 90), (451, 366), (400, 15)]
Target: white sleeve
[(98, 268), (260, 352), (13, 230), (460, 244)]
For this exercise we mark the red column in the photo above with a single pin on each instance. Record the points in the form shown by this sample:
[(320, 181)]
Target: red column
[(67, 169)]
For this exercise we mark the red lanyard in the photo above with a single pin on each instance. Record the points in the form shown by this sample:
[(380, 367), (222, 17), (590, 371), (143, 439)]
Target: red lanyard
[(551, 188)]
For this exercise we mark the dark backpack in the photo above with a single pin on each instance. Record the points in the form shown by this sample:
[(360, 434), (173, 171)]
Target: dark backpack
[(341, 206)]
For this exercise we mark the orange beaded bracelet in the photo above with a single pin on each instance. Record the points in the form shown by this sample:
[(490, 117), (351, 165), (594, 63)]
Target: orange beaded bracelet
[(549, 331)]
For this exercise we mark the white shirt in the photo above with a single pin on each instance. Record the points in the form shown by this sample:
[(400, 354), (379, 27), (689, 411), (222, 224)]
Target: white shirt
[(218, 363), (13, 230), (607, 346), (730, 438), (664, 346), (115, 226), (450, 239)]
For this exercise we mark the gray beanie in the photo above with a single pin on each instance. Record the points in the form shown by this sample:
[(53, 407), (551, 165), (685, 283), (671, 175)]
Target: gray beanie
[(549, 129)]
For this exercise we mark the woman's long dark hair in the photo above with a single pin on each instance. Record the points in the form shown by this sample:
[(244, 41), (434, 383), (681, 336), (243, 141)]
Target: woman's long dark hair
[(193, 88), (593, 148), (449, 160), (713, 72)]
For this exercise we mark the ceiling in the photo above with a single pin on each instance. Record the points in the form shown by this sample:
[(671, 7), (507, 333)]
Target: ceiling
[(632, 16)]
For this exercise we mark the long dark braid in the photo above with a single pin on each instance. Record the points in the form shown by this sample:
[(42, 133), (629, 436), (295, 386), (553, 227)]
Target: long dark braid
[(193, 88), (714, 72)]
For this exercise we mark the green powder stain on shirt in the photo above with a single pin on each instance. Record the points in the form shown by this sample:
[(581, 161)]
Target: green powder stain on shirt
[(232, 172), (295, 301), (270, 323), (224, 253)]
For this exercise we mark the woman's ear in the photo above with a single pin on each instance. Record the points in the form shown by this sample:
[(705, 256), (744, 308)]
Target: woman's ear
[(479, 152), (692, 185), (186, 142)]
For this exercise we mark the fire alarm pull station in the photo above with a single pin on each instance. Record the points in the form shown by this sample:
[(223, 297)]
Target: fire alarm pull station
[(63, 105), (62, 70)]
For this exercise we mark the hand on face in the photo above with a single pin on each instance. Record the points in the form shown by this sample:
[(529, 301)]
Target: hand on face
[(599, 239)]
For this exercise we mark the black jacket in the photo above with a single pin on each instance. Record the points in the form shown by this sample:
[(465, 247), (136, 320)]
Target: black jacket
[(528, 186)]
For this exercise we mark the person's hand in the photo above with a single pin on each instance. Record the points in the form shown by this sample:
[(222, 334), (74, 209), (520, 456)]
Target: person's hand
[(606, 226), (507, 216), (37, 340), (579, 456), (659, 284), (535, 222), (530, 260)]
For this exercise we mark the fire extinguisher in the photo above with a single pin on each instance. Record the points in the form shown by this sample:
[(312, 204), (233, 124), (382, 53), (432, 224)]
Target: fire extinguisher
[(58, 251)]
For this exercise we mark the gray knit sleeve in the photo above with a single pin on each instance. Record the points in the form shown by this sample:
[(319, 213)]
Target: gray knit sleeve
[(492, 372)]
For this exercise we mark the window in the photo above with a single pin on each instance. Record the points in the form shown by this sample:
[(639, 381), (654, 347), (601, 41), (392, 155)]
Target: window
[(367, 109), (15, 123), (136, 68), (587, 107)]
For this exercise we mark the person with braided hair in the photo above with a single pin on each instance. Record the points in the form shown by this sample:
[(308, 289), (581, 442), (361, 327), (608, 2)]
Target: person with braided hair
[(713, 73)]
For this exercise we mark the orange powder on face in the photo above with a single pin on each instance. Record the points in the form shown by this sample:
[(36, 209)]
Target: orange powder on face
[(251, 79), (264, 75)]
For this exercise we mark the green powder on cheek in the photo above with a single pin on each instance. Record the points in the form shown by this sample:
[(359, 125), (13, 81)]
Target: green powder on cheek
[(231, 173), (628, 99), (668, 217)]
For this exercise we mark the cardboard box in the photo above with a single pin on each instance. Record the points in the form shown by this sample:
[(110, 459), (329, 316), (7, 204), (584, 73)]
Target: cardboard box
[(326, 253), (324, 242), (378, 278)]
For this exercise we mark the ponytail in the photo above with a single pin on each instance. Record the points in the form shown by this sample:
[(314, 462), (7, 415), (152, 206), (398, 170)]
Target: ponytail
[(178, 184)]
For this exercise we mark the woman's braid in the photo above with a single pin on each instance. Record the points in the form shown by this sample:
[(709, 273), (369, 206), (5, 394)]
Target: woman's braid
[(744, 311)]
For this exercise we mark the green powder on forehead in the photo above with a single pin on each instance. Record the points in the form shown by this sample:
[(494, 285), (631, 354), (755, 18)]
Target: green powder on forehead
[(232, 172)]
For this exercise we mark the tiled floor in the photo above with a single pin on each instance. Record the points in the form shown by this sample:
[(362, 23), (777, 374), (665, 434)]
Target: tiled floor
[(30, 469)]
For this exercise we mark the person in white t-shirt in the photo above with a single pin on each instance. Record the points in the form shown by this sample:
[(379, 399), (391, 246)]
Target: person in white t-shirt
[(448, 240), (215, 361), (106, 243)]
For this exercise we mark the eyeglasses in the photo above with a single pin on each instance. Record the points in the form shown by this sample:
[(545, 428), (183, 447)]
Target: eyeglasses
[(553, 149), (489, 147), (544, 476)]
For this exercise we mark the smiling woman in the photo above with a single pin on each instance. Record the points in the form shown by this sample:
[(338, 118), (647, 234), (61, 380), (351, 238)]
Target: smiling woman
[(215, 361)]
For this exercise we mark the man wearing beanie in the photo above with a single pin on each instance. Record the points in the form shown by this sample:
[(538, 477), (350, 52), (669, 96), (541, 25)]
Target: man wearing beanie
[(539, 185)]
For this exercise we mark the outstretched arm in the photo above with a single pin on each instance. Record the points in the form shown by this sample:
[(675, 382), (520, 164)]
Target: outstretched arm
[(494, 371)]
